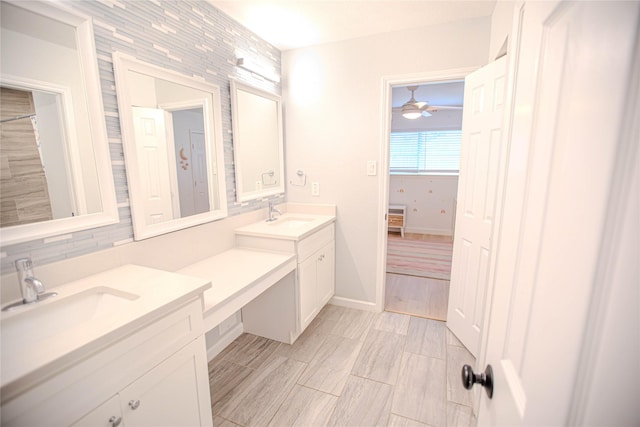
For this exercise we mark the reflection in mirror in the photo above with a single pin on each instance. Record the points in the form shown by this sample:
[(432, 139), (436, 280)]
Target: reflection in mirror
[(257, 142), (56, 175), (172, 138)]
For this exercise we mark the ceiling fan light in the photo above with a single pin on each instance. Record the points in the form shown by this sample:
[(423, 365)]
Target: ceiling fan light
[(410, 111), (412, 115)]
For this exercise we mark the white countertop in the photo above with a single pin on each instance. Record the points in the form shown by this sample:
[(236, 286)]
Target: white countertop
[(158, 292), (277, 229), (237, 272)]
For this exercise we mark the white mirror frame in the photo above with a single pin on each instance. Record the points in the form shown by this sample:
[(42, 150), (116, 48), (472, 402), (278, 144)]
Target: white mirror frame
[(242, 195), (124, 63), (89, 63)]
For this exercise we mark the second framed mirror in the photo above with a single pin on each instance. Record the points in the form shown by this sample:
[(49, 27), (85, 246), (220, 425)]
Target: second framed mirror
[(172, 135), (257, 142)]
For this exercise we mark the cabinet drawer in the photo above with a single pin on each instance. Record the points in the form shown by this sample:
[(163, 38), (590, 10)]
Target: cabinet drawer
[(307, 246), (396, 220)]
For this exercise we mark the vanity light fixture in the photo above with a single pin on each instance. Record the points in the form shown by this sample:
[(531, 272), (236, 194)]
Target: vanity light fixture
[(258, 69)]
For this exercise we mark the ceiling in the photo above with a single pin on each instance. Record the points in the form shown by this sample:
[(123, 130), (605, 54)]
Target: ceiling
[(449, 93), (291, 24)]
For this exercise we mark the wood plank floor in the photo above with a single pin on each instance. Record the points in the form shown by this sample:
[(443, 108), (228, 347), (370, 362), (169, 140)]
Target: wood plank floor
[(349, 368), (418, 296)]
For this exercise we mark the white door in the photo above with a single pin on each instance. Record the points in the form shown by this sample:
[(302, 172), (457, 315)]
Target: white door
[(571, 80), (106, 415), (200, 181), (477, 186), (308, 280), (174, 393), (153, 160), (326, 274)]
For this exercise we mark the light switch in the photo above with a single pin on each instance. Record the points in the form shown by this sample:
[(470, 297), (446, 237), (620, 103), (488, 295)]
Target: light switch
[(372, 168), (315, 189)]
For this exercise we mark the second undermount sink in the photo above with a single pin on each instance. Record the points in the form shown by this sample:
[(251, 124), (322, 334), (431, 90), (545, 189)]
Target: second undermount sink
[(59, 314), (291, 222)]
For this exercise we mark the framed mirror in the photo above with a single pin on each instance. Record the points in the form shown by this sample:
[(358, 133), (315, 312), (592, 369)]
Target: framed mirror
[(257, 142), (56, 175), (172, 136)]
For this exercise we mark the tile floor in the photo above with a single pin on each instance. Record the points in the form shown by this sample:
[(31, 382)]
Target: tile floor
[(349, 368)]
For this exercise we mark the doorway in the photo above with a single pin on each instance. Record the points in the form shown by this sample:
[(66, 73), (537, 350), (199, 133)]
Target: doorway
[(424, 154)]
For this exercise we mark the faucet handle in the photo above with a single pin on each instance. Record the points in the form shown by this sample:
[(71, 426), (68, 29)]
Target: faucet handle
[(24, 264), (37, 285)]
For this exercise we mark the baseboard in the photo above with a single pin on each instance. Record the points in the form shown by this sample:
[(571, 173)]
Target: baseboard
[(353, 303), (424, 230), (224, 341)]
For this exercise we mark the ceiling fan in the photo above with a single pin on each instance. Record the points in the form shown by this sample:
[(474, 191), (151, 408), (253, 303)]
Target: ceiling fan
[(413, 109)]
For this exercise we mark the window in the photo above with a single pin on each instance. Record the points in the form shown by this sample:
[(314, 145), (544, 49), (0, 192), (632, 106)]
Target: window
[(425, 152)]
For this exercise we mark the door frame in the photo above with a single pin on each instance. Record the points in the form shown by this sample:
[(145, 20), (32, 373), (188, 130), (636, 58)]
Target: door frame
[(383, 182)]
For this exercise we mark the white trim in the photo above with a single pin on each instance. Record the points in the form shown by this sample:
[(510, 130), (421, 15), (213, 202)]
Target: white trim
[(354, 303), (169, 108), (383, 183), (223, 341)]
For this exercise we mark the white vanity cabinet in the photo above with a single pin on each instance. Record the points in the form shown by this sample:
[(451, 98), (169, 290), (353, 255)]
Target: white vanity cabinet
[(153, 372), (315, 257), (106, 415), (166, 395), (316, 273)]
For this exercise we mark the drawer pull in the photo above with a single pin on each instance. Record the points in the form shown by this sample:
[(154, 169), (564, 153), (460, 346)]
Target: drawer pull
[(115, 421), (134, 404)]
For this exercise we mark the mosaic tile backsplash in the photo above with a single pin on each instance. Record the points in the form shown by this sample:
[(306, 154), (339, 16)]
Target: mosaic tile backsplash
[(190, 37)]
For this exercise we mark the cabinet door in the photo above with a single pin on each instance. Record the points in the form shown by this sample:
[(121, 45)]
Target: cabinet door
[(106, 415), (307, 282), (176, 392), (326, 274)]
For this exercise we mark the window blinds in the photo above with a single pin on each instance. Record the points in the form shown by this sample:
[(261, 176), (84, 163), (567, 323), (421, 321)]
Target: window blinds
[(425, 151)]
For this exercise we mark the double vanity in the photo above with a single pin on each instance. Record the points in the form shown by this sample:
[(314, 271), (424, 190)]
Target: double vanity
[(127, 345)]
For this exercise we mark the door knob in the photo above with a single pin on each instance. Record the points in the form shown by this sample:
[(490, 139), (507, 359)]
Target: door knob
[(485, 379)]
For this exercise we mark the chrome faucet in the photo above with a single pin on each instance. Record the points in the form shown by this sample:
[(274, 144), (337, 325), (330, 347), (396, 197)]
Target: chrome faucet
[(30, 287), (271, 211)]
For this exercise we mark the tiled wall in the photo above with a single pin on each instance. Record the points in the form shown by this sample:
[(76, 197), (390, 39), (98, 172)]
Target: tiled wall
[(190, 37)]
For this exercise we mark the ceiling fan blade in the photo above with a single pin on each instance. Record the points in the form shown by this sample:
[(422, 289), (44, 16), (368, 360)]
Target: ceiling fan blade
[(443, 107)]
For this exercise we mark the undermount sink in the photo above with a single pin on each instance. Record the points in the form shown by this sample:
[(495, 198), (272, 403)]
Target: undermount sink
[(288, 226), (291, 222), (35, 322)]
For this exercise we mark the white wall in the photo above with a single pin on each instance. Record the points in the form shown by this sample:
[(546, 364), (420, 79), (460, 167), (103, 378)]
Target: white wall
[(430, 199), (333, 111), (430, 202), (501, 22)]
